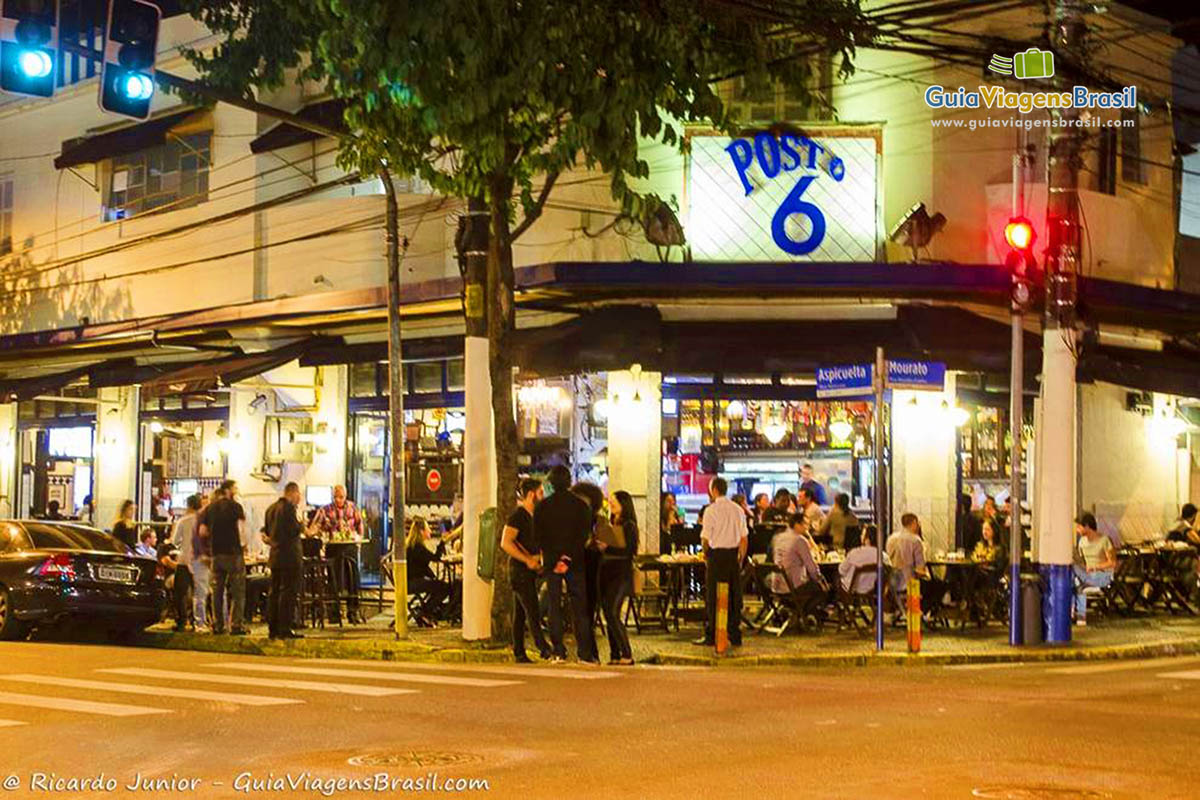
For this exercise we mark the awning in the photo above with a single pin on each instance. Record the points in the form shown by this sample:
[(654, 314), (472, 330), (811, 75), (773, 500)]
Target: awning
[(14, 389), (130, 139), (1146, 370), (222, 372), (431, 348), (326, 112)]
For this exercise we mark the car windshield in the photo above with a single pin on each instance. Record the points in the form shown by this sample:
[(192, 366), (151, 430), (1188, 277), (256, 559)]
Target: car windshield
[(70, 537)]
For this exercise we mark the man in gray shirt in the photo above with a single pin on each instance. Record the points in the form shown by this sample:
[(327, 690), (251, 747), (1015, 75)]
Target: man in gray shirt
[(792, 553)]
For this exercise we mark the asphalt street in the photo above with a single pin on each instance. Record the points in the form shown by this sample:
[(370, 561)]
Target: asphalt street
[(218, 726)]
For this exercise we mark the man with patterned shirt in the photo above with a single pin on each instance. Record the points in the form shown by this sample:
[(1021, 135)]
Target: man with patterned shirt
[(341, 521)]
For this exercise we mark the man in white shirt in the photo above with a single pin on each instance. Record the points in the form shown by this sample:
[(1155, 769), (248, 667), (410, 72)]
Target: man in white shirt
[(196, 571), (861, 556), (725, 539), (810, 509)]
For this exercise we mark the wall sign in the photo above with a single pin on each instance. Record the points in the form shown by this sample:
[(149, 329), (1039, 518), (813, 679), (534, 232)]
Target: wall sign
[(785, 196)]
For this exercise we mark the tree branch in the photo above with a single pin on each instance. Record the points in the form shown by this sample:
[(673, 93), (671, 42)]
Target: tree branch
[(532, 216)]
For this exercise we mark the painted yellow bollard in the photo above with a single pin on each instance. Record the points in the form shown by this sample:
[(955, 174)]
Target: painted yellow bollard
[(914, 615), (722, 632)]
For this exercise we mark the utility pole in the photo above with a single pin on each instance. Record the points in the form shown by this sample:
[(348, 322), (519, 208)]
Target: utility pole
[(479, 441), (1056, 477), (879, 381), (396, 405)]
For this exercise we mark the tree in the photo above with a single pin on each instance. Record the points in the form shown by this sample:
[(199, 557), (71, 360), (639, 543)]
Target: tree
[(492, 100)]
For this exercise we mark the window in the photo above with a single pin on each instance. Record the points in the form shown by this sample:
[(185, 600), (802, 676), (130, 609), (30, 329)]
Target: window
[(6, 214), (1132, 166), (174, 174), (71, 537)]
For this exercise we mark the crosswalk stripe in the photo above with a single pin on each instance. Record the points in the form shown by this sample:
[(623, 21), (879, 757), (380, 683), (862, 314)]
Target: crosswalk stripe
[(522, 672), (10, 723), (1184, 675), (82, 706), (157, 691), (1117, 666), (988, 666), (445, 680), (237, 680)]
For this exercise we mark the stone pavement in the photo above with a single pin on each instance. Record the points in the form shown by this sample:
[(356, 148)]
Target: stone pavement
[(1113, 638)]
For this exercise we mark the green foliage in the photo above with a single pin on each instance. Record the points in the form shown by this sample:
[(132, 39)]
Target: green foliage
[(477, 94)]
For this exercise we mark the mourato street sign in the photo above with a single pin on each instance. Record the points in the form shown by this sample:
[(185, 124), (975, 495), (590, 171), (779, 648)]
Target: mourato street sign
[(855, 380)]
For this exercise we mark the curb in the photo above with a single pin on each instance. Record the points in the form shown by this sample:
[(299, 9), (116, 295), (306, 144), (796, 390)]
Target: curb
[(383, 649), (1037, 655)]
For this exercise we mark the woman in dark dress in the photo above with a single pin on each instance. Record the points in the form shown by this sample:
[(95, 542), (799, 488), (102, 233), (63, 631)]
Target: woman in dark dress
[(593, 495), (421, 577), (123, 527), (619, 546)]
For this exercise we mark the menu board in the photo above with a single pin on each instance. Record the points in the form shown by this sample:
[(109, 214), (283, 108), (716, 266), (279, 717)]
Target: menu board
[(182, 458)]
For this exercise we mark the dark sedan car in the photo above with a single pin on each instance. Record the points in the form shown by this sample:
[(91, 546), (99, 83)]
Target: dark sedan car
[(53, 571)]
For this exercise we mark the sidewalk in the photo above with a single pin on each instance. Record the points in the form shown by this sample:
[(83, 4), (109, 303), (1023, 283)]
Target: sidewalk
[(1115, 638)]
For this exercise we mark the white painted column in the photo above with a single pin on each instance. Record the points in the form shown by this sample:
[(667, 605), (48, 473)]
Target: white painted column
[(923, 453), (115, 462), (479, 486), (635, 446), (8, 460), (1054, 504), (1057, 479)]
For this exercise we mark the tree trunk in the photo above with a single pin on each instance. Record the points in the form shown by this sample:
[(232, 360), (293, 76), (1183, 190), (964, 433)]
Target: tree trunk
[(501, 319), (395, 406)]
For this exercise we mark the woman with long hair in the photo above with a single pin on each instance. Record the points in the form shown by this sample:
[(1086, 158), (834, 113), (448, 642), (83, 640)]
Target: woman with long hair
[(616, 573), (421, 578), (123, 527)]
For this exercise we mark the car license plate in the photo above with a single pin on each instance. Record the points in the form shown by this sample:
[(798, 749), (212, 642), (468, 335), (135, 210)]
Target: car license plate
[(119, 574)]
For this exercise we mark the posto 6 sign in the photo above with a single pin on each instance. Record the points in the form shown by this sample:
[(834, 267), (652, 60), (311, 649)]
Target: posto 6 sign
[(785, 195)]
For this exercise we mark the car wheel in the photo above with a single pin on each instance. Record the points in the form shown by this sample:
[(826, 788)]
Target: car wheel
[(10, 627)]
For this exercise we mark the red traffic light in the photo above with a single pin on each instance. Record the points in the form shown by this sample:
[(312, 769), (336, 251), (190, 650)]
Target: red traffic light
[(1019, 233)]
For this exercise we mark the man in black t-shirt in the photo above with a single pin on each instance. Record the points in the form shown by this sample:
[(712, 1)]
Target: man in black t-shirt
[(563, 523), (521, 545), (283, 532), (223, 524)]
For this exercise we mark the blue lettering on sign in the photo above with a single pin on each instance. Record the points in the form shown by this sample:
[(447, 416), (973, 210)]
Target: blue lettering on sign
[(776, 156)]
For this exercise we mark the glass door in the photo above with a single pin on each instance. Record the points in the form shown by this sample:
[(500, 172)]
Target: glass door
[(369, 472)]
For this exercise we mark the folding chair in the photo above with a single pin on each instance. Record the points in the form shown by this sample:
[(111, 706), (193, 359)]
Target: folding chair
[(852, 605), (771, 610), (795, 606), (1125, 593)]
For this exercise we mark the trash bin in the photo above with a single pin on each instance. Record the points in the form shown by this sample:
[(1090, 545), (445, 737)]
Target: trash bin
[(1032, 631)]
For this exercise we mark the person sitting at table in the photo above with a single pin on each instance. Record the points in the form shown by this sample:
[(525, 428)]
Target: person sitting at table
[(781, 509), (1184, 529), (669, 513), (864, 555), (833, 527), (146, 547), (906, 551), (1096, 560), (792, 553), (761, 503), (421, 578), (988, 550)]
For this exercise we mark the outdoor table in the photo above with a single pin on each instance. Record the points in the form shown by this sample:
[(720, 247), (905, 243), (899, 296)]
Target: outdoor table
[(673, 579), (450, 566), (968, 582), (1168, 568)]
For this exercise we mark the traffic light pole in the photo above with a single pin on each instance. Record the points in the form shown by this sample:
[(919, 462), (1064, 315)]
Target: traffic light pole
[(1016, 392)]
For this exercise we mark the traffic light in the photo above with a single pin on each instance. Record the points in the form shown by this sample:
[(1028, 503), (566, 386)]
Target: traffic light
[(28, 46), (1020, 235), (130, 43)]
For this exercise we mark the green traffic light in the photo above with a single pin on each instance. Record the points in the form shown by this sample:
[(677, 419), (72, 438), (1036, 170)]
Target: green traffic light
[(35, 63)]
